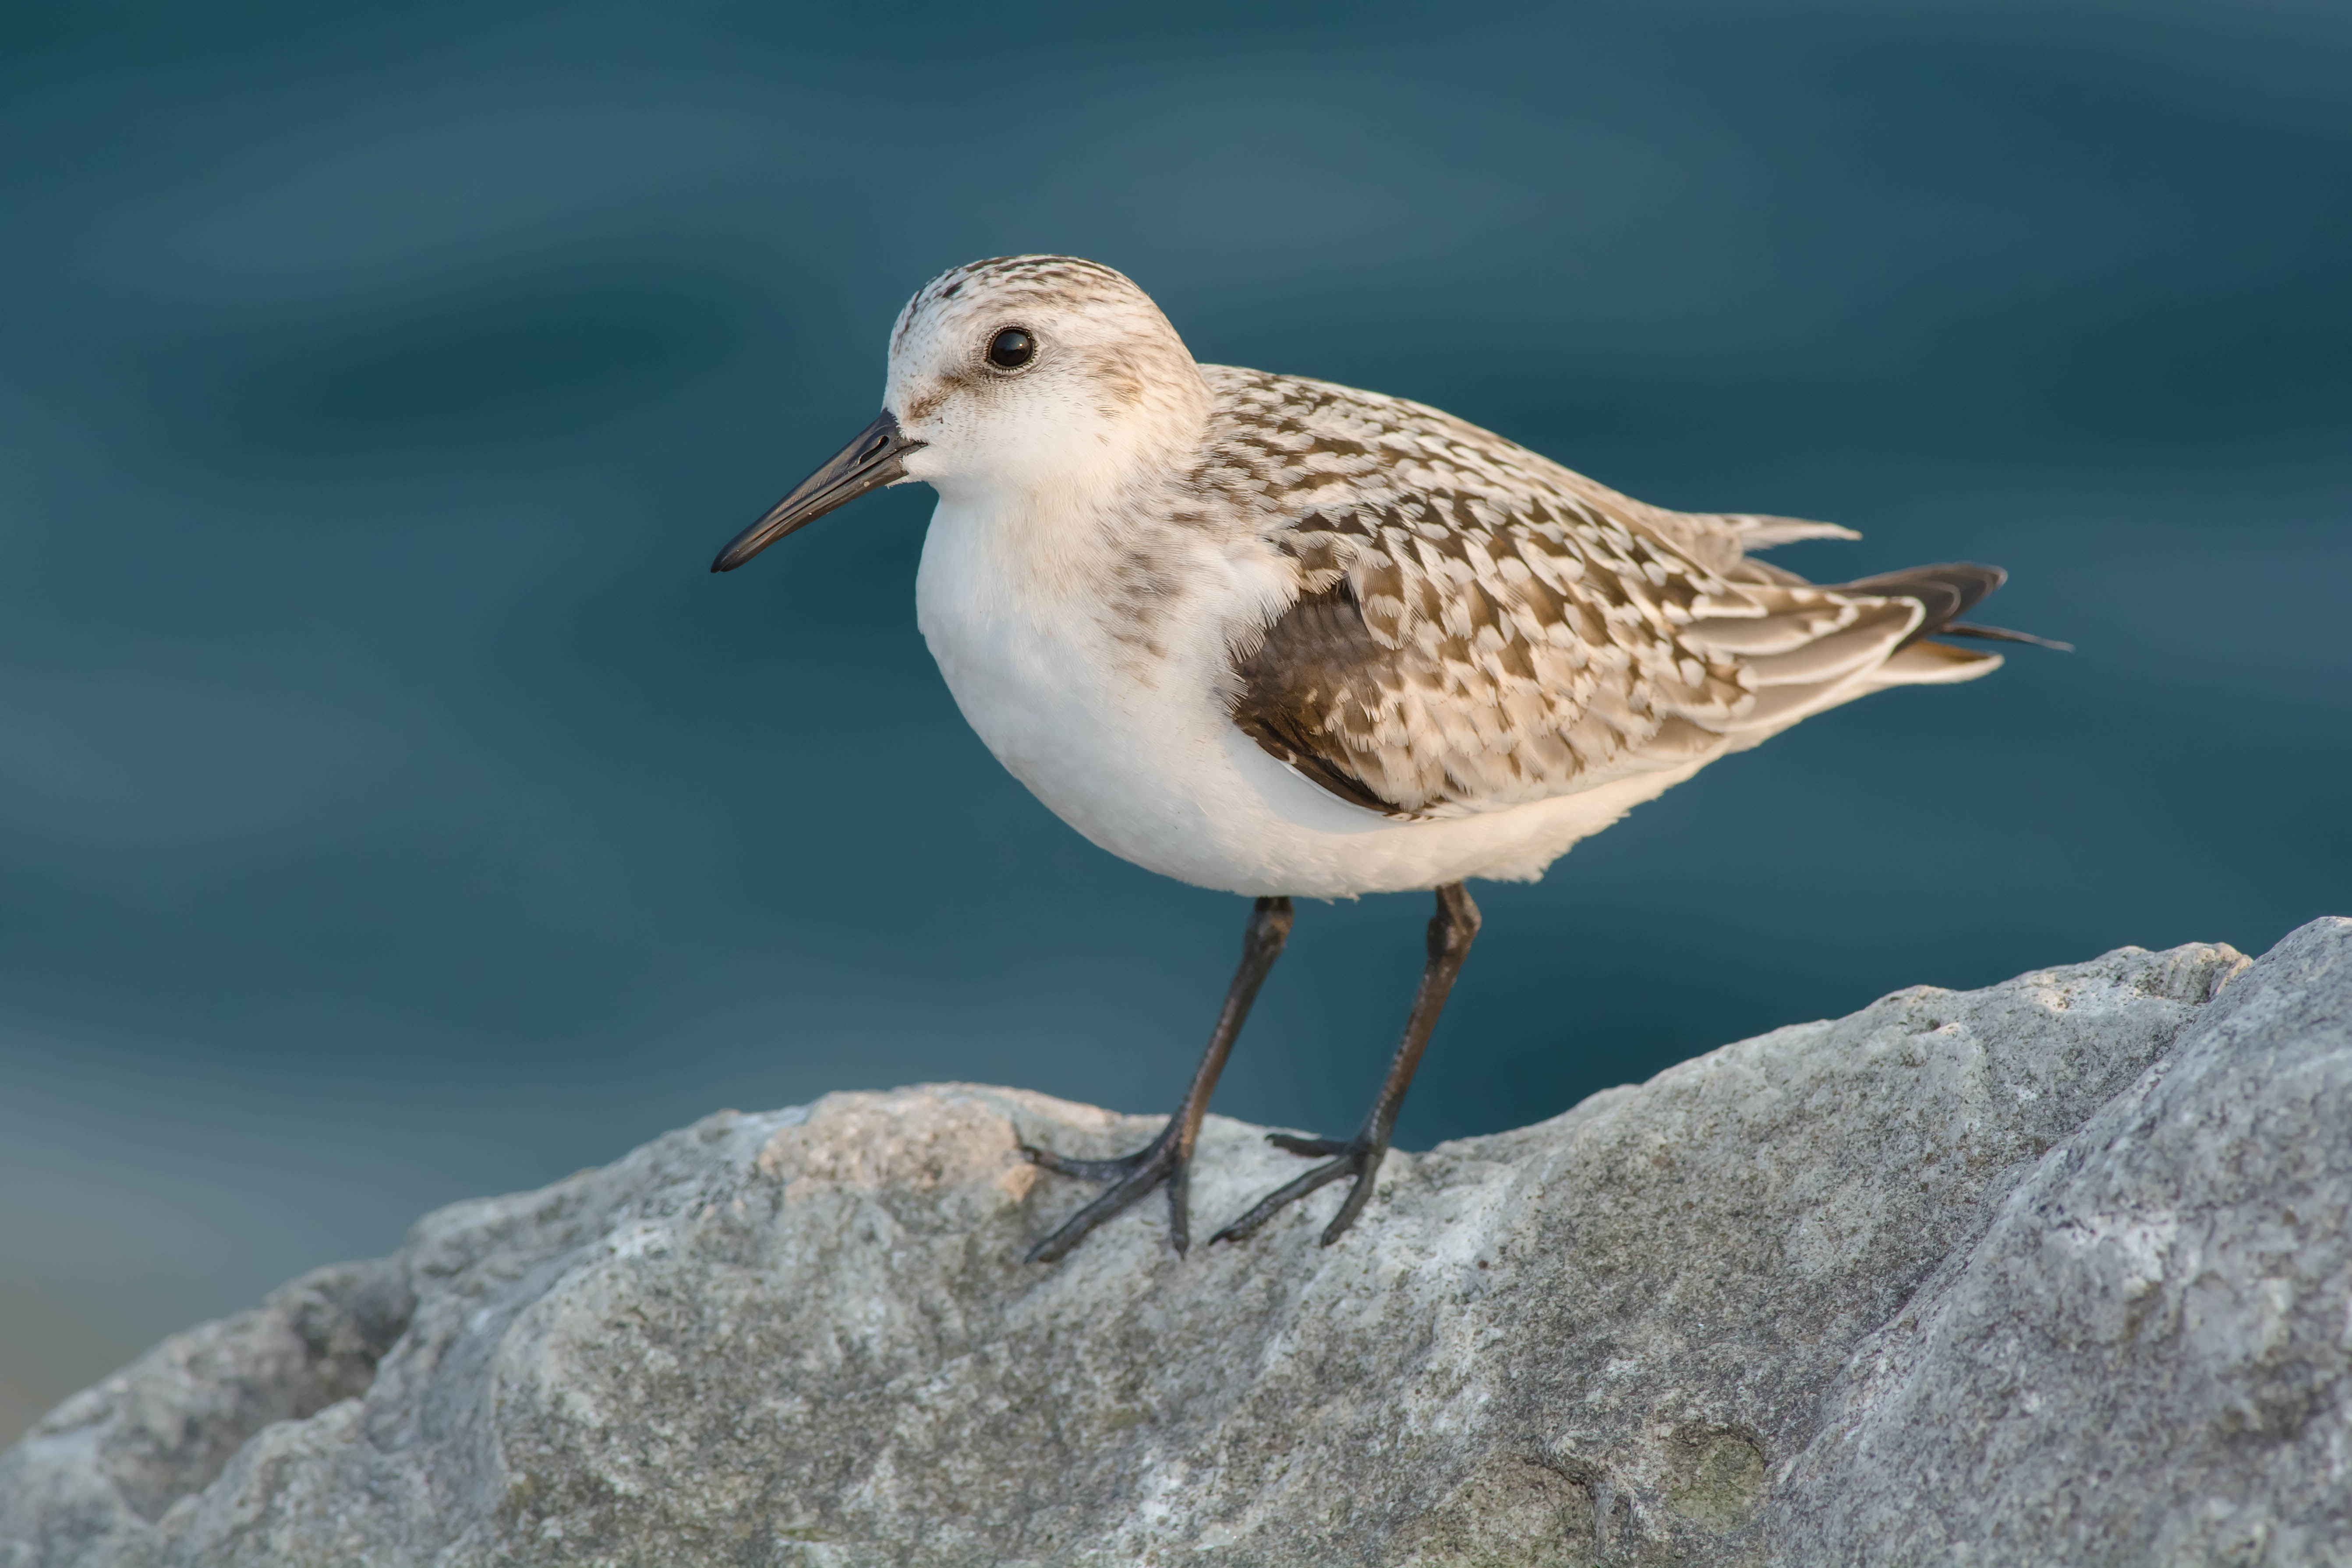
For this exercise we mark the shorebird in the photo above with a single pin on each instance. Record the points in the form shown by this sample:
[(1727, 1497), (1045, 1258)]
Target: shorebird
[(1288, 639)]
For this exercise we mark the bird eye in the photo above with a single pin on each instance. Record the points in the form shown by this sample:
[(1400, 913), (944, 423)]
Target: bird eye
[(1011, 349)]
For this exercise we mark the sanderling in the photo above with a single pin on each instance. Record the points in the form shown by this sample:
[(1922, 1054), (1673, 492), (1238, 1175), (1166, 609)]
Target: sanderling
[(1285, 638)]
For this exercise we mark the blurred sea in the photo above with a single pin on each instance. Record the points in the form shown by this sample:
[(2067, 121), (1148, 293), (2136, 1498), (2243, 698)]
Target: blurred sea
[(394, 810)]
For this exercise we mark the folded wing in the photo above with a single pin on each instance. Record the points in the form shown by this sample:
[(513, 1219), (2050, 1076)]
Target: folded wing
[(1447, 655)]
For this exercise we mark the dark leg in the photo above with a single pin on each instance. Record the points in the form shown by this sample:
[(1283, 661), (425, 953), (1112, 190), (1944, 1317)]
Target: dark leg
[(1168, 1158), (1450, 932)]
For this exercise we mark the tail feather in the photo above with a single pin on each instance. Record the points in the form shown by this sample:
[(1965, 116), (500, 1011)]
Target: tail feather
[(1947, 592)]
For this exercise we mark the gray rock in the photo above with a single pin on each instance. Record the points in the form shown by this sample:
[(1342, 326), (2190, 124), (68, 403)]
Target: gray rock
[(2145, 1359), (2052, 1271)]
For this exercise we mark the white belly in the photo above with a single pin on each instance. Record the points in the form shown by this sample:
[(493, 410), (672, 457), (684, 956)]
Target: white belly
[(1144, 761)]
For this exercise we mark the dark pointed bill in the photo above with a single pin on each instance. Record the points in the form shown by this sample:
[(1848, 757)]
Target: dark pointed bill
[(867, 463)]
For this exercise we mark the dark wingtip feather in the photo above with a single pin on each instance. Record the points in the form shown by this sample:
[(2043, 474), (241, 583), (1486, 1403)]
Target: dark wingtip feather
[(2001, 634)]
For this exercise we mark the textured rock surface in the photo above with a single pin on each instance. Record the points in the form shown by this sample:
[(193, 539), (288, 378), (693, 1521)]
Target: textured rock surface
[(2145, 1360), (2052, 1271)]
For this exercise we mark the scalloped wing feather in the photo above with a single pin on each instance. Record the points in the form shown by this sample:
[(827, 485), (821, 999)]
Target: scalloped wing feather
[(1478, 627)]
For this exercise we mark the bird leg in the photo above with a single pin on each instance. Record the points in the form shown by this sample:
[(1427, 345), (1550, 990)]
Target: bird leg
[(1167, 1160), (1450, 933)]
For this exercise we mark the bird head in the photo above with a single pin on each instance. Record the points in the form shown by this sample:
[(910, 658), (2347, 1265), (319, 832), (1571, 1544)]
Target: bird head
[(1024, 379)]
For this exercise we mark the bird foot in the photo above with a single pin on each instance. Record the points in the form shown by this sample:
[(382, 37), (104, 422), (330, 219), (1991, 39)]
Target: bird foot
[(1358, 1157), (1156, 1164)]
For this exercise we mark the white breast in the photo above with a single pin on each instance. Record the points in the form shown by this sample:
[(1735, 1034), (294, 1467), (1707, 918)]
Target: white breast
[(1139, 754)]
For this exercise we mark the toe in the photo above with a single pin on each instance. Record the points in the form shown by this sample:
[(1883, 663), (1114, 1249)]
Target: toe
[(1084, 1169), (1313, 1148), (1283, 1197)]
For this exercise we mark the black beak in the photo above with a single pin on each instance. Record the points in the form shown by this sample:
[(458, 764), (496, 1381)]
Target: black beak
[(867, 463)]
